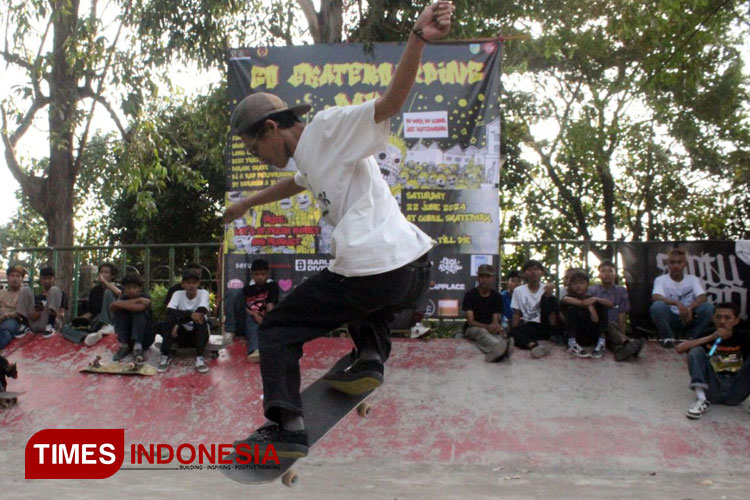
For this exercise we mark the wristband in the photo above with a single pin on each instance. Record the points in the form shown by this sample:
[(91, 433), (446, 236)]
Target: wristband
[(420, 34)]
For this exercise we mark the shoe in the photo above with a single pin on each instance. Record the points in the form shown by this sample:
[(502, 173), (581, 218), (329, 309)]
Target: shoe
[(509, 350), (697, 409), (641, 344), (107, 330), (419, 330), (540, 351), (498, 352), (138, 352), (92, 338), (628, 349), (287, 444), (598, 352), (22, 332), (200, 365), (163, 364), (49, 331), (122, 352), (576, 350), (358, 378), (253, 357), (557, 340), (667, 343)]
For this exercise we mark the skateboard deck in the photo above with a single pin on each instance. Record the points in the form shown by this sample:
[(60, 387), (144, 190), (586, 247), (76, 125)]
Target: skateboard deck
[(119, 368), (324, 408), (9, 398)]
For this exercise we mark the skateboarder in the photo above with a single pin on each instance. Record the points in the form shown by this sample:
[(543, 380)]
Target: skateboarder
[(380, 259)]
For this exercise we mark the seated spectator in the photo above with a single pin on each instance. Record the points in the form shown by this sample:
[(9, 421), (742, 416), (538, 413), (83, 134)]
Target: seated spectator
[(97, 319), (619, 343), (131, 315), (679, 302), (585, 318), (261, 296), (42, 313), (9, 319), (483, 306), (566, 280), (535, 311), (164, 328), (187, 319), (512, 281), (721, 376)]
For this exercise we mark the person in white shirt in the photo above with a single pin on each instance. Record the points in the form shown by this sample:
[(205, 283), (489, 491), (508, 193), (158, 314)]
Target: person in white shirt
[(535, 311), (380, 259), (679, 302), (187, 320)]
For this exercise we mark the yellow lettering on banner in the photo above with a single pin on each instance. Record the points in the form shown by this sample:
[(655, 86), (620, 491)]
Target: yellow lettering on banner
[(371, 75), (427, 74), (355, 73), (475, 72), (385, 71), (264, 76)]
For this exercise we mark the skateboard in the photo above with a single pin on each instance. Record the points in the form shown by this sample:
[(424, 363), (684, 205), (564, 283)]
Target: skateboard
[(119, 368), (8, 399), (324, 408)]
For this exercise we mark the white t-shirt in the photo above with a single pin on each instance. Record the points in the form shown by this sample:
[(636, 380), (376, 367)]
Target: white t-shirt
[(180, 302), (685, 291), (334, 161), (528, 303)]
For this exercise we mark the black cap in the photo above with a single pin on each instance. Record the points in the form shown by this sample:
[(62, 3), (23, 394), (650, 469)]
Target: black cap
[(189, 272), (47, 271)]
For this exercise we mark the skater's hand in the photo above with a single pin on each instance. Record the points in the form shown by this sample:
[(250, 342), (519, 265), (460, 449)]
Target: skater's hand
[(435, 21), (234, 212)]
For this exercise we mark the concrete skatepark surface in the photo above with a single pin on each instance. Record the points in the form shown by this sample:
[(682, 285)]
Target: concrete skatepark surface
[(445, 425)]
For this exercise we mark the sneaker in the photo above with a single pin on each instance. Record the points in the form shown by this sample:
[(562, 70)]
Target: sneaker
[(557, 339), (253, 357), (200, 365), (287, 444), (358, 378), (697, 409), (22, 332), (122, 352), (598, 352), (92, 338), (540, 351), (107, 330), (576, 350), (163, 363), (49, 331), (419, 330), (667, 343), (630, 348), (498, 352), (641, 344)]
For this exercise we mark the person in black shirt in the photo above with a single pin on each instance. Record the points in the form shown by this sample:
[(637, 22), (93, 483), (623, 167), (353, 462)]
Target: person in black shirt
[(101, 295), (720, 375), (261, 295), (483, 306)]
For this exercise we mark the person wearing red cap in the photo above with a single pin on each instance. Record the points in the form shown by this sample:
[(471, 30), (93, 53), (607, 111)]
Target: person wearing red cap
[(380, 259)]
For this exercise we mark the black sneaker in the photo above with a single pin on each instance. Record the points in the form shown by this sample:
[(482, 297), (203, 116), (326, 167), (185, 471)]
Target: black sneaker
[(627, 350), (358, 378), (122, 352), (667, 343), (287, 444), (641, 343)]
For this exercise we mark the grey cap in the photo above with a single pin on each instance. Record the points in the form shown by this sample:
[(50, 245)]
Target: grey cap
[(258, 106), (485, 269)]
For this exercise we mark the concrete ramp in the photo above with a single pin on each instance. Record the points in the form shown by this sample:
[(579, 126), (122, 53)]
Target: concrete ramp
[(445, 425)]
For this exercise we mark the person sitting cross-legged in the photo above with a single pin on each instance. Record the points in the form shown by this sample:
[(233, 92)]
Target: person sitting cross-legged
[(131, 314), (483, 307), (535, 311), (585, 318), (187, 320)]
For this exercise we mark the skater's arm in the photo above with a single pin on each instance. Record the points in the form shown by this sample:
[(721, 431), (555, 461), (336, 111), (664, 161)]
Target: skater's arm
[(138, 304), (724, 333), (433, 24), (282, 189)]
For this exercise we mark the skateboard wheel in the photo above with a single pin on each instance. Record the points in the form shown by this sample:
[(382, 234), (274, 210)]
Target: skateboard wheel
[(289, 478), (363, 410)]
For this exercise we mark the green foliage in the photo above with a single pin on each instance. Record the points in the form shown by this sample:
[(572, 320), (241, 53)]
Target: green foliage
[(159, 310)]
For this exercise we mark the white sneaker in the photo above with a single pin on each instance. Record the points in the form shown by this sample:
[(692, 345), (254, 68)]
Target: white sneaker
[(163, 364), (200, 365), (419, 330), (697, 409), (253, 357), (48, 331), (92, 338), (107, 330)]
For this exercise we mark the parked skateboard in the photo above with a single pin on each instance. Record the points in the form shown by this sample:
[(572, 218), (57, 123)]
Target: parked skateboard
[(119, 368), (8, 399), (324, 407)]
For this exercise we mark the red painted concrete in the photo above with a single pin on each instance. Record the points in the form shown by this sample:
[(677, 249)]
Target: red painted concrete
[(441, 403)]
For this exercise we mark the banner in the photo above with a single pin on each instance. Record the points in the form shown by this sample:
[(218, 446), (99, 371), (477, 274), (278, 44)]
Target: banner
[(442, 162), (723, 267)]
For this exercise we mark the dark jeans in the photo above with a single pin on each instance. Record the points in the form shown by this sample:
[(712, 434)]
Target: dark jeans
[(322, 303), (529, 333), (725, 388), (198, 337), (578, 324), (132, 327)]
